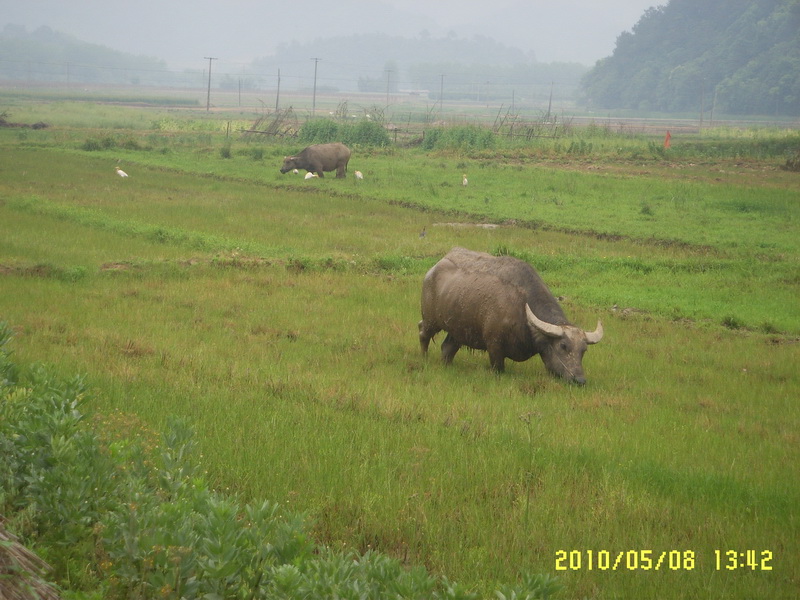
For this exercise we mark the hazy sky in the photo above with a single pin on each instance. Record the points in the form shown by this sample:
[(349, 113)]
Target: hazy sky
[(182, 32)]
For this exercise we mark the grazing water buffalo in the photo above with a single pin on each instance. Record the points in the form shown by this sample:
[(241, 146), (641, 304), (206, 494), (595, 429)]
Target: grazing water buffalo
[(500, 304), (320, 158)]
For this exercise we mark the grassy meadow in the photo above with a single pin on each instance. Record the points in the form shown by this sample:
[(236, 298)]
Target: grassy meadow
[(280, 316)]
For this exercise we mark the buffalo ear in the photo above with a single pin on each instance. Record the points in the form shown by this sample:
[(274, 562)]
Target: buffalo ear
[(550, 330)]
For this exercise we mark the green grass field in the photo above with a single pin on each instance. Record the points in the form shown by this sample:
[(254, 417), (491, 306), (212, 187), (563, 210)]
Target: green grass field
[(280, 315)]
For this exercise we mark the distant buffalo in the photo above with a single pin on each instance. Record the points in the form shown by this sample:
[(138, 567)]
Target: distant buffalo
[(500, 304), (320, 158)]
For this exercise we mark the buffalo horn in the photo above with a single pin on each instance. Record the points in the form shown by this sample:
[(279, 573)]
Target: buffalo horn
[(546, 328), (595, 336)]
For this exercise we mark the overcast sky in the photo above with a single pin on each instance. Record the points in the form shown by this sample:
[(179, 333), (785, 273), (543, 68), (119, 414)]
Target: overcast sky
[(182, 32)]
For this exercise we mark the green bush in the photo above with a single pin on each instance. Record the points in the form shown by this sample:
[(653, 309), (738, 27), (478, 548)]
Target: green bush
[(319, 131), (323, 131), (365, 133)]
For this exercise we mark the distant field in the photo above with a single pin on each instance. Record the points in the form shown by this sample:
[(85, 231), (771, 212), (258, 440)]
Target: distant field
[(280, 315)]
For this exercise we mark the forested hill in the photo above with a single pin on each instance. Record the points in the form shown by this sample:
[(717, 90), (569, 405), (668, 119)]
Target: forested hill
[(47, 55), (741, 56)]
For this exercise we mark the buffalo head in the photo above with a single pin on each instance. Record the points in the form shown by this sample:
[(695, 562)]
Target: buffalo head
[(288, 164), (565, 345)]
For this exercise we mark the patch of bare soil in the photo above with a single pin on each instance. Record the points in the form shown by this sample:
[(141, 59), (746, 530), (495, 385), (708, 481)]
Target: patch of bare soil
[(33, 271), (459, 225), (37, 125)]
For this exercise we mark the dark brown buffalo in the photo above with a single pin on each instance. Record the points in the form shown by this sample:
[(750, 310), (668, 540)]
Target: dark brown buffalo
[(500, 304), (320, 158)]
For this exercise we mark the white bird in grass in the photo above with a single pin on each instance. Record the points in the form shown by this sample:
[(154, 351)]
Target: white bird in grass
[(295, 171), (464, 181), (120, 172), (359, 175), (310, 175)]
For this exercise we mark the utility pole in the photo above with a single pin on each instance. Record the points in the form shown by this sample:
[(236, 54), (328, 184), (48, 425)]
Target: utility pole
[(314, 99), (388, 80), (713, 106), (208, 97), (702, 101), (278, 95), (441, 96)]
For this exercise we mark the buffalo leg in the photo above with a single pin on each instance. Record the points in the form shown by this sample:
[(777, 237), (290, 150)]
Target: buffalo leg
[(497, 360), (449, 349), (425, 336)]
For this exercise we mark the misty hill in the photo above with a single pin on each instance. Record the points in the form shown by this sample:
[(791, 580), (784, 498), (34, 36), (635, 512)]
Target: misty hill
[(742, 56), (478, 68), (47, 55)]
